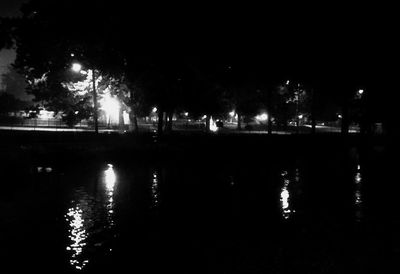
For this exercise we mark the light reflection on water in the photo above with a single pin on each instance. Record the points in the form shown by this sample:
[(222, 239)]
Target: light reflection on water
[(87, 217), (110, 180), (78, 236), (79, 218), (358, 199), (155, 191), (285, 195)]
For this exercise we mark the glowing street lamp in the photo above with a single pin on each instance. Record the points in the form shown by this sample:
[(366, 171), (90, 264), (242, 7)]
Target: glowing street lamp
[(262, 117), (76, 67), (360, 92)]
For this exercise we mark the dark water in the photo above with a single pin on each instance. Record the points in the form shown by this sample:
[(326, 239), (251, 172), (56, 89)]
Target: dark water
[(279, 214)]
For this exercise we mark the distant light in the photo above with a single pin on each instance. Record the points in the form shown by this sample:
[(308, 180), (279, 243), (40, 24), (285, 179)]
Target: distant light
[(154, 109), (262, 117), (232, 113), (72, 55), (110, 178), (287, 82), (111, 106), (186, 114), (76, 67), (204, 117), (340, 116), (361, 91), (301, 116), (213, 125)]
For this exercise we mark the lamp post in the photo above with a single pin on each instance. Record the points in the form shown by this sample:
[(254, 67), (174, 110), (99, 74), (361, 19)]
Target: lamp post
[(76, 67)]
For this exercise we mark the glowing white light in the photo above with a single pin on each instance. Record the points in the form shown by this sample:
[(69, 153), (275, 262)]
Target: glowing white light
[(262, 117), (204, 117), (213, 125), (232, 113), (340, 116), (287, 82), (186, 114), (44, 114), (361, 91), (78, 236), (110, 178), (76, 67), (285, 196), (358, 199), (154, 109), (126, 117), (111, 106), (301, 116), (155, 192)]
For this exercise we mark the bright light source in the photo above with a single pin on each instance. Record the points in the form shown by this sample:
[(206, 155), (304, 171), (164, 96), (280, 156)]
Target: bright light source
[(154, 109), (110, 178), (213, 125), (111, 106), (301, 116), (262, 117), (204, 117), (44, 114), (76, 67), (340, 116), (287, 82), (361, 91), (186, 114), (232, 113)]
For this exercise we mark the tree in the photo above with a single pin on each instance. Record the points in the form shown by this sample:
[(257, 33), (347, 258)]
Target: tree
[(8, 103)]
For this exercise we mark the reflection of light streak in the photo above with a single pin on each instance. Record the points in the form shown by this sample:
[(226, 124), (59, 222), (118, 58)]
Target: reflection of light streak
[(357, 194), (78, 236), (85, 217), (285, 195), (155, 189), (110, 180)]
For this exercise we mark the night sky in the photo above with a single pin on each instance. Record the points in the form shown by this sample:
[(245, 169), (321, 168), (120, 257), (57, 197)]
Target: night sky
[(324, 46)]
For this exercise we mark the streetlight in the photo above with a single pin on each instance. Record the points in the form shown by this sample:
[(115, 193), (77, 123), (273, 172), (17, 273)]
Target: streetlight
[(76, 67)]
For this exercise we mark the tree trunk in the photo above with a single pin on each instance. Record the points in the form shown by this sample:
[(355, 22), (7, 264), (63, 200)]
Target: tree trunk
[(313, 113), (169, 118), (160, 124), (132, 114), (239, 125), (135, 124), (269, 107), (345, 118), (121, 122), (133, 120), (208, 118)]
